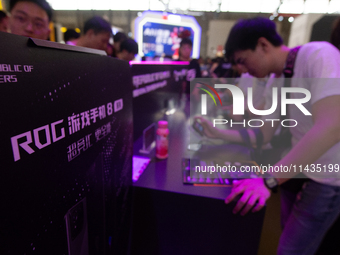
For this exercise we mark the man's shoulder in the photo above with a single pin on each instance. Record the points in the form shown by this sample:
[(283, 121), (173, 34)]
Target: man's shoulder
[(318, 53), (317, 60), (317, 47)]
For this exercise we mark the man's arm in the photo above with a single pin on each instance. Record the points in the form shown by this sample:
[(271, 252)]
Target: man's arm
[(324, 134)]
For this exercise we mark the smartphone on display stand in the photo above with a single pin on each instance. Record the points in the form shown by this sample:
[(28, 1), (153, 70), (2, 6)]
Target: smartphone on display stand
[(197, 126)]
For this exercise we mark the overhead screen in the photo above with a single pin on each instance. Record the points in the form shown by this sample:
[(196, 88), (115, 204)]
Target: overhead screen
[(159, 34)]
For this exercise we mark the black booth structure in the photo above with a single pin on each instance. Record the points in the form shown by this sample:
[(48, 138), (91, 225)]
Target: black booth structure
[(170, 217), (71, 121), (66, 149), (157, 88)]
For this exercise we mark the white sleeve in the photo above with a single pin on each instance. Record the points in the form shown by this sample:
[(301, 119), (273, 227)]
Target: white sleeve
[(317, 60), (320, 62)]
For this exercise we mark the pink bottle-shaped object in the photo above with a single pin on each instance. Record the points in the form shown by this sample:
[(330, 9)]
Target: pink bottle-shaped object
[(162, 142)]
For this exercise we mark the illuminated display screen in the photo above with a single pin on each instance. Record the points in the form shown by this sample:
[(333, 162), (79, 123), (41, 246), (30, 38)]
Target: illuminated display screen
[(164, 39), (159, 34)]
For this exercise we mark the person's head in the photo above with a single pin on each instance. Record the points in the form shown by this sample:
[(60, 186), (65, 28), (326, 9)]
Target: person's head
[(118, 38), (128, 50), (97, 33), (109, 49), (30, 18), (70, 35), (3, 22), (250, 45), (185, 49)]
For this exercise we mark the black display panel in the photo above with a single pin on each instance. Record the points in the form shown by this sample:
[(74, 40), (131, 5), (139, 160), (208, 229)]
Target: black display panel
[(157, 87), (66, 149)]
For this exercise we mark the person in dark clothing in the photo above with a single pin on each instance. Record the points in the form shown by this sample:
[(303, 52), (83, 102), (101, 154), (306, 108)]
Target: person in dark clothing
[(128, 50), (194, 69), (118, 38)]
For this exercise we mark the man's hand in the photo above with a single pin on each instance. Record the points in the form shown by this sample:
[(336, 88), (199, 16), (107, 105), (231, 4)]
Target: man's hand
[(253, 191), (209, 130)]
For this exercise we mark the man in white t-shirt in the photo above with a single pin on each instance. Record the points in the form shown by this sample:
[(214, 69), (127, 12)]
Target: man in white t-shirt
[(255, 46)]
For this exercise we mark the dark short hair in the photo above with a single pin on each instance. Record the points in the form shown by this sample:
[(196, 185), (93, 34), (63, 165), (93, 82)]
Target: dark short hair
[(2, 15), (185, 41), (129, 45), (245, 34), (98, 25), (71, 34), (119, 37), (42, 4)]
